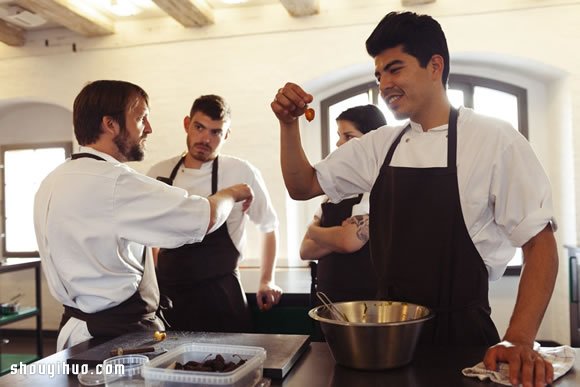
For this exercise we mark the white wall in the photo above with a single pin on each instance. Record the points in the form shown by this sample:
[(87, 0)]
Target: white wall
[(249, 54)]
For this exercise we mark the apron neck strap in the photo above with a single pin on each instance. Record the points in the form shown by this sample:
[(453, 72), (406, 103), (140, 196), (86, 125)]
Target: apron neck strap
[(451, 140), (214, 173), (176, 168), (77, 156), (214, 176)]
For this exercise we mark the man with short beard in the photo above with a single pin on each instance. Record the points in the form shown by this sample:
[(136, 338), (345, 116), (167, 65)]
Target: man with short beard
[(94, 217), (202, 279)]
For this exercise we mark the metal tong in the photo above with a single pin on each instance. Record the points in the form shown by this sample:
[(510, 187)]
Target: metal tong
[(336, 313)]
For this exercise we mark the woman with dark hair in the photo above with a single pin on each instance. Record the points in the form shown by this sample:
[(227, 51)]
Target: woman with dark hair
[(338, 235)]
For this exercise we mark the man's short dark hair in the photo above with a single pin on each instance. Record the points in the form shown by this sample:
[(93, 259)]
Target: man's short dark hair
[(365, 118), (99, 99), (213, 106), (419, 35)]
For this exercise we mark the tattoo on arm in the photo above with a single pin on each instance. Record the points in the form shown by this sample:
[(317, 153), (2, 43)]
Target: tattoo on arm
[(362, 226)]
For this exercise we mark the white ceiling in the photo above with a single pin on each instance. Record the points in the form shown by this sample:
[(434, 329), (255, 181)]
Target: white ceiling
[(95, 17), (201, 13)]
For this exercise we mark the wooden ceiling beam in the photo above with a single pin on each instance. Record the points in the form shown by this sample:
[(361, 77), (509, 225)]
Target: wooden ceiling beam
[(11, 35), (86, 21), (299, 8), (410, 3), (189, 13)]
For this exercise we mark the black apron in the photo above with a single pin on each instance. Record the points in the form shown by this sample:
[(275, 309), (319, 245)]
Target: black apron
[(137, 313), (422, 250), (202, 279), (345, 277), (342, 277)]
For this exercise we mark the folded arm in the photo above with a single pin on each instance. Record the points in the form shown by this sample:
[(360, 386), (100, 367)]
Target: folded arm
[(349, 237)]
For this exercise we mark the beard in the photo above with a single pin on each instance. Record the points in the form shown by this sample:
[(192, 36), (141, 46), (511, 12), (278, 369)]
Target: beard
[(200, 155), (131, 151)]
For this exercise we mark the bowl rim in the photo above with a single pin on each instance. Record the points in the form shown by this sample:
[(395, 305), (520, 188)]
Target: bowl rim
[(313, 313)]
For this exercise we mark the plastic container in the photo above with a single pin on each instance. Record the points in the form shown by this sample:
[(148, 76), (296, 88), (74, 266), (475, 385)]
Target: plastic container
[(111, 374), (131, 374), (159, 372)]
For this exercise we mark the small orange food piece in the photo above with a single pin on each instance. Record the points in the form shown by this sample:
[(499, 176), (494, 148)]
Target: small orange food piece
[(159, 336), (309, 114)]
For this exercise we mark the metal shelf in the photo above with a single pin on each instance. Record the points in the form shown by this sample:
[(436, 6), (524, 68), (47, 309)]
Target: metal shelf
[(22, 314), (7, 359), (12, 265)]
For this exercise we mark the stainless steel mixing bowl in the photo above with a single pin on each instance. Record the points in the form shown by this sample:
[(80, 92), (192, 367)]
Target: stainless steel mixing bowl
[(378, 334)]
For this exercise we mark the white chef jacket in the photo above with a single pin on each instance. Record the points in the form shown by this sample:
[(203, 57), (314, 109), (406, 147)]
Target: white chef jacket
[(92, 220), (231, 171), (505, 194)]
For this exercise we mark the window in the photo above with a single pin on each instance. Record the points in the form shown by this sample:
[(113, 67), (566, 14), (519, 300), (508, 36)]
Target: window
[(486, 96), (498, 99), (331, 107), (490, 97), (24, 167)]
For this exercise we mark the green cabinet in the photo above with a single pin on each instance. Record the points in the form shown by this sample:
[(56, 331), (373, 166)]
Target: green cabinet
[(290, 316), (7, 358)]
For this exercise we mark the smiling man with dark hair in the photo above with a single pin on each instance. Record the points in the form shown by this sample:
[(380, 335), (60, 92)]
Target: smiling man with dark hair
[(453, 193)]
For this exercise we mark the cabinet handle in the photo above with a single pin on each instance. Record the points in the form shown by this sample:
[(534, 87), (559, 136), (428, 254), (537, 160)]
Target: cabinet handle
[(573, 280)]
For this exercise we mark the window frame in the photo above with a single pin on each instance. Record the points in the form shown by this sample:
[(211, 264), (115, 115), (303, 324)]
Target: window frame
[(66, 145), (368, 87), (463, 82), (467, 84)]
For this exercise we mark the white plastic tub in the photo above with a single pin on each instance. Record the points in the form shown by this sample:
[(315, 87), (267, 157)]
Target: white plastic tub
[(158, 372)]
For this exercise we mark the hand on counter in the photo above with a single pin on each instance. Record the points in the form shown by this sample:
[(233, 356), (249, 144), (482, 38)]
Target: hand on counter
[(526, 365), (268, 295)]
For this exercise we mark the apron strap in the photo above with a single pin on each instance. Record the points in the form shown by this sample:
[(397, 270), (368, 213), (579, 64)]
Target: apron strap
[(169, 180), (214, 176), (452, 139), (86, 155)]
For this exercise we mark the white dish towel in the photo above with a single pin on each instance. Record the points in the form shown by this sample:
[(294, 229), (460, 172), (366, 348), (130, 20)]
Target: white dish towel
[(562, 359)]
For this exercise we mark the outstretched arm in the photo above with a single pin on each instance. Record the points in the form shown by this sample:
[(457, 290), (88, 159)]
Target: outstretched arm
[(535, 290), (268, 293), (222, 202), (299, 175)]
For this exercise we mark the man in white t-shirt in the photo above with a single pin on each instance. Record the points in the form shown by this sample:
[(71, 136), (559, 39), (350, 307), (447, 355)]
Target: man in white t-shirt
[(94, 216), (452, 194), (202, 279)]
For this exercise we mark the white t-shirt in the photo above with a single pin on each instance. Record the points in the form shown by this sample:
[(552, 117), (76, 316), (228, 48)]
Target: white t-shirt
[(92, 220), (231, 171), (504, 192)]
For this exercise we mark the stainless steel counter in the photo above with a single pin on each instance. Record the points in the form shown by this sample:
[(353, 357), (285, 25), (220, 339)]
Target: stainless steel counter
[(431, 368)]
